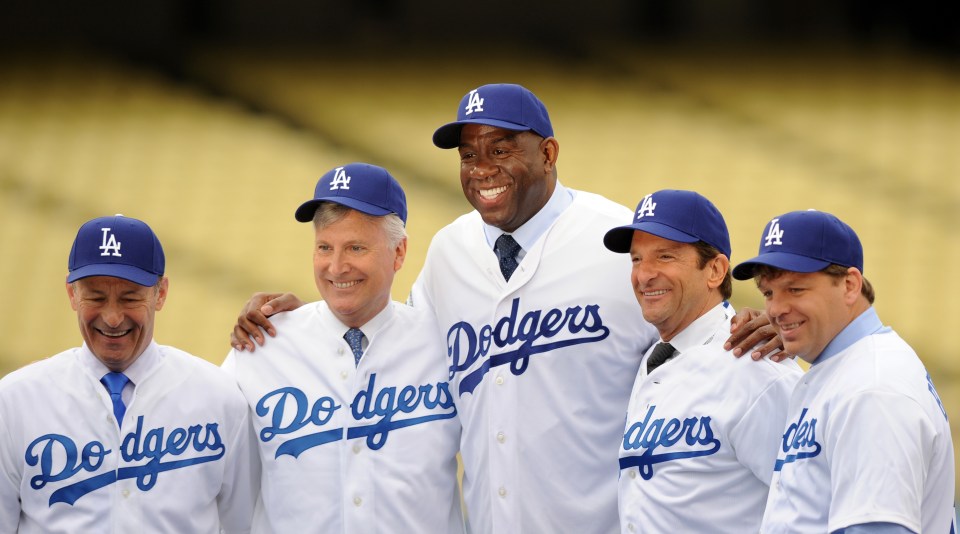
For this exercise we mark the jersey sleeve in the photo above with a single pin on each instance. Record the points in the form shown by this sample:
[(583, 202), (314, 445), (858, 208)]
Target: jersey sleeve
[(241, 481), (881, 443), (757, 435), (10, 478)]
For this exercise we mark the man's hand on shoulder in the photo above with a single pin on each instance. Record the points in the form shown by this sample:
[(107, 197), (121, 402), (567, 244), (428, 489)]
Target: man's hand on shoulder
[(254, 320), (751, 331)]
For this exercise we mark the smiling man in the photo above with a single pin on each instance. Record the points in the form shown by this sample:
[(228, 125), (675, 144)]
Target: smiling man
[(356, 423), (702, 425), (867, 447), (123, 434)]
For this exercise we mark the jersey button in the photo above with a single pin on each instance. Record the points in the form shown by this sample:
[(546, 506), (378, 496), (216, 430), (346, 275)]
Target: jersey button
[(339, 351), (630, 527), (502, 491), (125, 493), (499, 380), (356, 448), (357, 501), (633, 473), (343, 375), (501, 437)]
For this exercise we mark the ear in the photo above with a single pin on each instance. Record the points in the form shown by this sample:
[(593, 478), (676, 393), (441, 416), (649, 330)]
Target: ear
[(162, 293), (72, 295), (852, 284), (549, 150), (401, 254), (718, 268)]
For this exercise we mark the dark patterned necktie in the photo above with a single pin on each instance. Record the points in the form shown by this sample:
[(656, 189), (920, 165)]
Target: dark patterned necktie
[(507, 248), (661, 353), (114, 383), (354, 338)]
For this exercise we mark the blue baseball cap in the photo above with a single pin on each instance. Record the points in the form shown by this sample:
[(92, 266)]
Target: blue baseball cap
[(504, 105), (682, 216), (116, 246), (366, 188), (805, 242)]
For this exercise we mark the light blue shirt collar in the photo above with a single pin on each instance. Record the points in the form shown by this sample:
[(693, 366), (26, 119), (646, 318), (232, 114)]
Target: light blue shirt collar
[(865, 324), (532, 230)]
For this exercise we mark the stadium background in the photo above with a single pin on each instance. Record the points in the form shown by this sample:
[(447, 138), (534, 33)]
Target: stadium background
[(212, 120)]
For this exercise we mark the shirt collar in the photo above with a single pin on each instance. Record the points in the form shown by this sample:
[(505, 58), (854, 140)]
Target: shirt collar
[(703, 330), (138, 371), (865, 324), (369, 329), (530, 231)]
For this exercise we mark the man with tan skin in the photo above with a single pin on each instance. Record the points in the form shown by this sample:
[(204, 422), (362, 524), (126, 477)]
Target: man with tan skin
[(867, 446), (123, 434), (543, 335), (702, 426)]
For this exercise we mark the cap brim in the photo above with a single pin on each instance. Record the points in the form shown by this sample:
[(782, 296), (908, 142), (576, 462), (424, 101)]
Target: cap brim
[(779, 260), (306, 210), (116, 270), (448, 135), (619, 239)]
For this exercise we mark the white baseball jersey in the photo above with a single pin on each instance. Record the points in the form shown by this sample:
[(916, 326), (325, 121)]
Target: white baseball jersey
[(353, 448), (866, 440), (183, 461), (701, 435), (540, 366)]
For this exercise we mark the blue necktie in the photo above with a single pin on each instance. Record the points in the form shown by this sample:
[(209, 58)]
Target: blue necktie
[(507, 248), (354, 338), (114, 383)]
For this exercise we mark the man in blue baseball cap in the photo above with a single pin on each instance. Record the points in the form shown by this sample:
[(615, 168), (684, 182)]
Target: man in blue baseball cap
[(123, 432), (867, 446), (357, 426), (702, 425)]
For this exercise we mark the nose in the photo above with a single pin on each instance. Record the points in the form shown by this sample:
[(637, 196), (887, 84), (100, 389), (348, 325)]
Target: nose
[(339, 263), (776, 307), (642, 274), (482, 168), (112, 315)]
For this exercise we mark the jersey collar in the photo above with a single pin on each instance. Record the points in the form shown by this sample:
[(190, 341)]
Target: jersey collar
[(528, 233)]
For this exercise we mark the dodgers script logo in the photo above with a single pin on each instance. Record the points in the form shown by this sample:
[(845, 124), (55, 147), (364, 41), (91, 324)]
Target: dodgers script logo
[(110, 247), (690, 438), (474, 103), (340, 179), (466, 344), (801, 437), (288, 410), (774, 234), (59, 458)]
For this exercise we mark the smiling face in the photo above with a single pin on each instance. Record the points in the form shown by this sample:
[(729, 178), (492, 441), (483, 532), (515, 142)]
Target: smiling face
[(507, 176), (354, 264), (116, 316), (809, 309), (671, 286)]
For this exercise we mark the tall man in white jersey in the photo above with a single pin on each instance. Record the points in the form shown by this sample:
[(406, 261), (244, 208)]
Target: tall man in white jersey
[(122, 434), (543, 336), (866, 447), (702, 425), (356, 422)]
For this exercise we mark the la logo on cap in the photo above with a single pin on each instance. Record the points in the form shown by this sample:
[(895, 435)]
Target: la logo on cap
[(646, 207), (340, 180), (474, 103), (110, 246), (774, 234)]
